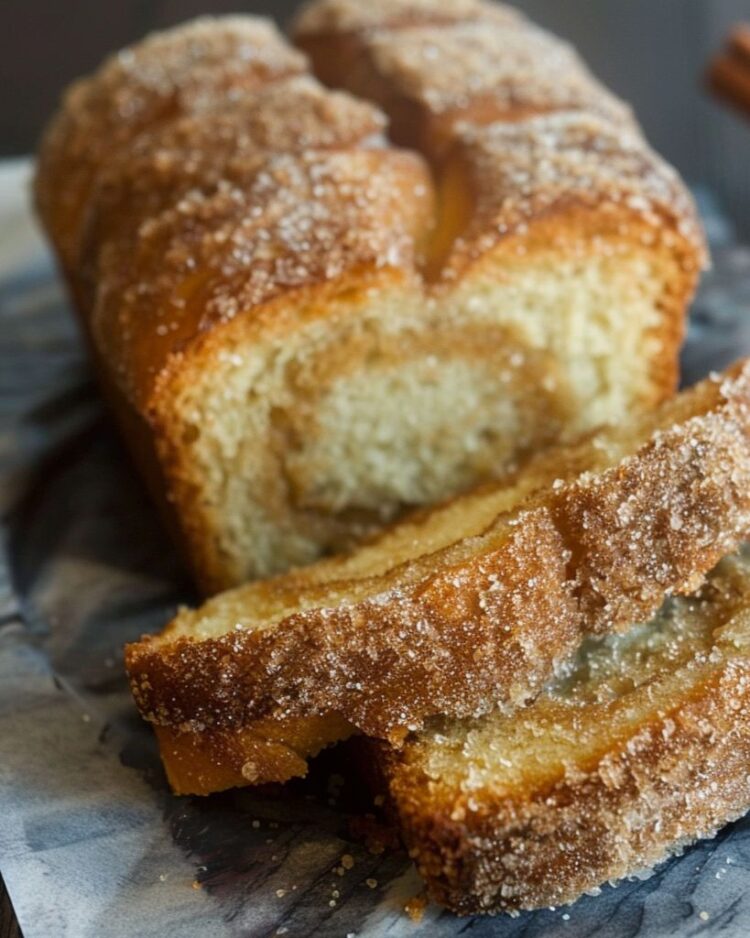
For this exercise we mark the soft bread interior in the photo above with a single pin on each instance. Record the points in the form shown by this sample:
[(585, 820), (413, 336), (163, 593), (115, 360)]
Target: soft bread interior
[(612, 688), (460, 528), (392, 401)]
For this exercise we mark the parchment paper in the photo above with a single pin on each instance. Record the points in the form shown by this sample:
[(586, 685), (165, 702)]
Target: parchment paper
[(91, 841)]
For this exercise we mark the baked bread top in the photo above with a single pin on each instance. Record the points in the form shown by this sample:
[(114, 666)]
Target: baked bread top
[(184, 70), (198, 151), (572, 174), (434, 72), (156, 145)]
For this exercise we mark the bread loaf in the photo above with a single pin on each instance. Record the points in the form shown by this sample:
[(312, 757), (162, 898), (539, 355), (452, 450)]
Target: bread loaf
[(457, 611), (305, 330)]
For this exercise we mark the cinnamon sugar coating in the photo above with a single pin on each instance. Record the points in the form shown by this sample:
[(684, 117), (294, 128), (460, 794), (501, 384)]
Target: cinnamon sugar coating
[(523, 68), (635, 752), (481, 622), (289, 115), (269, 227), (198, 152), (562, 162), (190, 69), (434, 77), (511, 117), (341, 16)]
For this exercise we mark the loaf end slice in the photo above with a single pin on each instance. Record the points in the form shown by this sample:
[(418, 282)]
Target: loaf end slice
[(636, 749)]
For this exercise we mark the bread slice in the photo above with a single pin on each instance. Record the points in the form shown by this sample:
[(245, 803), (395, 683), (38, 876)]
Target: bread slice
[(305, 331), (636, 749), (459, 610)]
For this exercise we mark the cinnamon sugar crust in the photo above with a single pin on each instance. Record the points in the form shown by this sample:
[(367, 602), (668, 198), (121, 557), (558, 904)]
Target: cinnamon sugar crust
[(437, 76), (638, 748), (342, 16), (524, 66), (433, 80), (335, 32), (198, 152), (191, 69), (485, 614), (557, 163)]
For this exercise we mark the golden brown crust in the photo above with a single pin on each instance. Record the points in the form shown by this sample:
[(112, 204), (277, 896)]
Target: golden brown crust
[(672, 773), (198, 151), (484, 621), (221, 147), (457, 85), (434, 81), (200, 763), (335, 32), (559, 165), (184, 70)]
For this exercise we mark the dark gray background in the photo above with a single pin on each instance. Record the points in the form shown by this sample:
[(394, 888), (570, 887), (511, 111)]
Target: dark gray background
[(651, 51)]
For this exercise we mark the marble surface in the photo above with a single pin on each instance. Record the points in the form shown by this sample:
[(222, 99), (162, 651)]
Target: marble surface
[(91, 841)]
